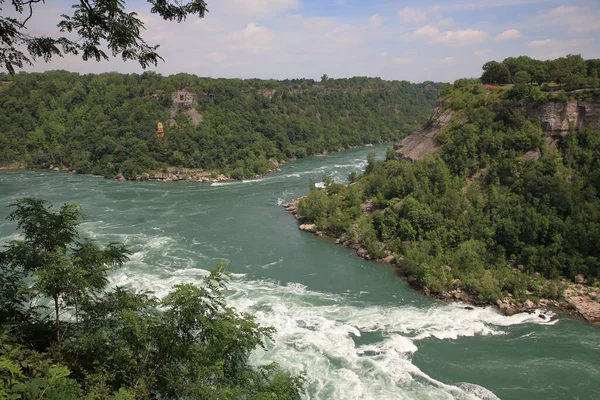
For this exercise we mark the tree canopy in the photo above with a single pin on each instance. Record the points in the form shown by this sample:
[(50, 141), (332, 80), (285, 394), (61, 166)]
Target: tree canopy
[(495, 211), (495, 72), (570, 71), (105, 124), (95, 30)]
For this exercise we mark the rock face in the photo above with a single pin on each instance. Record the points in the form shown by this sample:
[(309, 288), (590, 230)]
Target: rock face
[(556, 116), (308, 228), (585, 300), (422, 141)]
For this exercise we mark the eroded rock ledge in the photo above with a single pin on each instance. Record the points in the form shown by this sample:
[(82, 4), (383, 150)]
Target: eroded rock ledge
[(555, 118)]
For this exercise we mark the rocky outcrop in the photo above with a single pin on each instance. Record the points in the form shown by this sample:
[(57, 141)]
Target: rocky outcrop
[(177, 175), (422, 141), (195, 117), (556, 116), (585, 300), (308, 228), (291, 207)]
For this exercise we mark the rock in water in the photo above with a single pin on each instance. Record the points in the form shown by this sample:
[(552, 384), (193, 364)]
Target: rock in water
[(308, 228)]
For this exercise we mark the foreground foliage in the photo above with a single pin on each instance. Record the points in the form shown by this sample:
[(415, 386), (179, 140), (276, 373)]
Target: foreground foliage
[(495, 199), (117, 344), (94, 28), (106, 124)]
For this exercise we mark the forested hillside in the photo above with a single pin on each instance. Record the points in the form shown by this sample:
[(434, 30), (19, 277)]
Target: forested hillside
[(499, 209), (106, 124)]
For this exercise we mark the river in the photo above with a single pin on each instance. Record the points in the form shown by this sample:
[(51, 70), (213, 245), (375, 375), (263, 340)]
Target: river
[(355, 327)]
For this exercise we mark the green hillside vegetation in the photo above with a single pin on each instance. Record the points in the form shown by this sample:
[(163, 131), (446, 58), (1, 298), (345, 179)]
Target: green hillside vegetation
[(106, 124), (570, 72), (475, 213), (65, 335)]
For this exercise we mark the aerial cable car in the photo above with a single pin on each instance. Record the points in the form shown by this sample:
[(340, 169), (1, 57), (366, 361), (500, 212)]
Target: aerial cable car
[(159, 131)]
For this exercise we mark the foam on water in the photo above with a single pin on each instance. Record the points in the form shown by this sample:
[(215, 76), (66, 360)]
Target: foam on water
[(238, 182), (324, 335)]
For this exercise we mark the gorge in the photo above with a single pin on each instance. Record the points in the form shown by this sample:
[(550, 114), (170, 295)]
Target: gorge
[(356, 327)]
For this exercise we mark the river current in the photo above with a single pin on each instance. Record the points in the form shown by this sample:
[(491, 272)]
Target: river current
[(355, 327)]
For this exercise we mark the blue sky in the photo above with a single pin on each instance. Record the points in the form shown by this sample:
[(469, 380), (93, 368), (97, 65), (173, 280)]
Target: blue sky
[(413, 40)]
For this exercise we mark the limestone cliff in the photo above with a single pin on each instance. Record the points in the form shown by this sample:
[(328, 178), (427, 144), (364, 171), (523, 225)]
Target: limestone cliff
[(422, 141), (554, 116)]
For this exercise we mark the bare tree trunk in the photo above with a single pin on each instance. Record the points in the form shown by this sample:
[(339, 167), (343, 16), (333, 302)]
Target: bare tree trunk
[(57, 320)]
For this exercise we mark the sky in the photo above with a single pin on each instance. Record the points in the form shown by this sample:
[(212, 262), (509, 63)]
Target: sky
[(411, 40)]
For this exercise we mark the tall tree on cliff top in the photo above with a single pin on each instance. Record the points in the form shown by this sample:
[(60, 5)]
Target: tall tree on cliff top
[(92, 27), (495, 72)]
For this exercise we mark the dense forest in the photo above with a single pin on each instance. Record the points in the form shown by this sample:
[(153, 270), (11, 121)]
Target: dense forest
[(106, 124), (570, 72), (499, 209), (65, 335)]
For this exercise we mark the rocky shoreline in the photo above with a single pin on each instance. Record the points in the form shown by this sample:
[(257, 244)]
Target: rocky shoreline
[(175, 174), (578, 299), (170, 174)]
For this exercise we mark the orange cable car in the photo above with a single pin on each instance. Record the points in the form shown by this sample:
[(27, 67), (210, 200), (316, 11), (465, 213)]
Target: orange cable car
[(159, 131)]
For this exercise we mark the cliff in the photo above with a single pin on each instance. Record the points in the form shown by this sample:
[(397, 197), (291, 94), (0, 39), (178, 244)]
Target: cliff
[(423, 141), (554, 116)]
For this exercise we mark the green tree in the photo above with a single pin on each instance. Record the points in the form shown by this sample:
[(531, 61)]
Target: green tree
[(522, 77), (124, 345), (594, 81), (495, 72), (64, 269), (98, 25)]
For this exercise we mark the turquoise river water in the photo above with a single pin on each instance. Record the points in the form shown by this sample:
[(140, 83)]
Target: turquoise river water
[(355, 327)]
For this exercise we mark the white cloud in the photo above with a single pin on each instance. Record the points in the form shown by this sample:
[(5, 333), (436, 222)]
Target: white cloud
[(577, 19), (558, 43), (401, 60), (427, 32), (253, 39), (449, 60), (376, 20), (273, 39), (462, 37), (510, 34), (318, 23), (258, 8), (217, 57), (540, 43), (412, 15)]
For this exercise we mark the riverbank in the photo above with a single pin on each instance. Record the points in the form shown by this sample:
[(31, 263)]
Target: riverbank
[(169, 174), (180, 174), (577, 299), (346, 318)]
